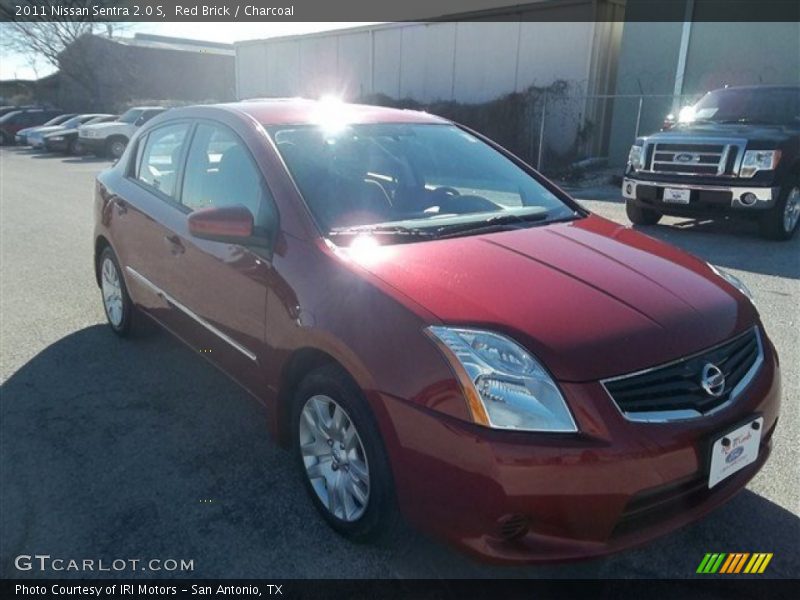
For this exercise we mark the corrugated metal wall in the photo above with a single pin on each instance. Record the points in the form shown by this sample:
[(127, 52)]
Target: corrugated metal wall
[(466, 61)]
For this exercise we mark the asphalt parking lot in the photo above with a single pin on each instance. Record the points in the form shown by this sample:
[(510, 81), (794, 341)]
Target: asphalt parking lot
[(139, 449)]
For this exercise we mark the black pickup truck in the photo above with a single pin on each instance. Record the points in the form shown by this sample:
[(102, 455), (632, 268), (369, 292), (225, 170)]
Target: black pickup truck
[(736, 153)]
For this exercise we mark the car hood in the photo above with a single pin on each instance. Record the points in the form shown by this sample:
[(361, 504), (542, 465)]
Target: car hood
[(63, 131), (766, 133), (44, 130), (103, 126), (590, 298)]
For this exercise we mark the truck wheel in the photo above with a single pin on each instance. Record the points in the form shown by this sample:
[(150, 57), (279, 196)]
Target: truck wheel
[(115, 147), (781, 221), (639, 215)]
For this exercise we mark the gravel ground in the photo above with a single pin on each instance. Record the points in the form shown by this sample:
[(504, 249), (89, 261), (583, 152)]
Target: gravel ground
[(138, 449)]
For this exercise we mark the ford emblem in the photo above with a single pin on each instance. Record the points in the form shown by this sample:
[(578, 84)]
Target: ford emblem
[(735, 453)]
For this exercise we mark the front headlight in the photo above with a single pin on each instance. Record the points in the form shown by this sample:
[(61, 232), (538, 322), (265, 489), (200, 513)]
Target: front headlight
[(734, 281), (636, 157), (759, 160), (506, 387)]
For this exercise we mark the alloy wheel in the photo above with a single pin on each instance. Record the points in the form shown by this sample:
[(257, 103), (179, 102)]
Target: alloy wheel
[(334, 458), (791, 212), (117, 149), (112, 292)]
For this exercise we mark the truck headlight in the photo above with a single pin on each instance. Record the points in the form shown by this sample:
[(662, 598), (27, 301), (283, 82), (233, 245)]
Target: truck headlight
[(759, 160), (506, 387), (734, 281), (636, 157)]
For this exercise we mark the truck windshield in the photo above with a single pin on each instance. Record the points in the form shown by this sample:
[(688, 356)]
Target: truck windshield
[(130, 116), (402, 177), (780, 106)]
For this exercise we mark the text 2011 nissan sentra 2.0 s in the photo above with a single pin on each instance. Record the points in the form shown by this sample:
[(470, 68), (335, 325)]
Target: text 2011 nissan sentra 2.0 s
[(436, 330)]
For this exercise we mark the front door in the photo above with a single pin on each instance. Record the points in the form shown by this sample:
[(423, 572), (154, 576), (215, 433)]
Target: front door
[(221, 287)]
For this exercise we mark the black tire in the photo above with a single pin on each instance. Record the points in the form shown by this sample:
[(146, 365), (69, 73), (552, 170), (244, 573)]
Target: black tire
[(72, 147), (639, 215), (771, 225), (115, 146), (123, 326), (380, 517)]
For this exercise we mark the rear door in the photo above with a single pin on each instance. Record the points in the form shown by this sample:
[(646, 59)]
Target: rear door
[(141, 213)]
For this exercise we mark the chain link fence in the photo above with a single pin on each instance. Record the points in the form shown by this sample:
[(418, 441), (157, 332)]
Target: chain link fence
[(577, 133)]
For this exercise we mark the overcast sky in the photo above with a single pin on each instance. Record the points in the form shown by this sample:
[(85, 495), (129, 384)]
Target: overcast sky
[(18, 67)]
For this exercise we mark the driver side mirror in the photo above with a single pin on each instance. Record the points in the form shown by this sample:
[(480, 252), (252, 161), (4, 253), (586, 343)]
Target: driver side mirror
[(227, 224), (669, 122)]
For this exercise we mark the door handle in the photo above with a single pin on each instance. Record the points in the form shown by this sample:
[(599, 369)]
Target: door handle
[(175, 244), (122, 208)]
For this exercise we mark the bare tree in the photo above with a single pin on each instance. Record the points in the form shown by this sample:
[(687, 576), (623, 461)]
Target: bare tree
[(40, 39)]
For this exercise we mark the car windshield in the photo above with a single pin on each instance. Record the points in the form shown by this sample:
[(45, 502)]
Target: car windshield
[(429, 179), (10, 116), (56, 120), (130, 116), (780, 106), (73, 122)]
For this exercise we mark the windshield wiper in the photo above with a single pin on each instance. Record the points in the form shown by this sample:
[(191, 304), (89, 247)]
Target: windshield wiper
[(393, 230), (496, 223), (746, 121)]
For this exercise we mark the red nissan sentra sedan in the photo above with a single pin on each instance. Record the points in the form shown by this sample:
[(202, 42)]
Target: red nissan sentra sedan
[(436, 330)]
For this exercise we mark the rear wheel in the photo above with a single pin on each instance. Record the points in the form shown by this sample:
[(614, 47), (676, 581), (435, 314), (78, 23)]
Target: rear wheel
[(782, 220), (74, 147), (116, 301), (341, 456), (639, 215)]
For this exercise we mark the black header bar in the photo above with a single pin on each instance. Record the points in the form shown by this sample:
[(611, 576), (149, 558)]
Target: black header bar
[(405, 10)]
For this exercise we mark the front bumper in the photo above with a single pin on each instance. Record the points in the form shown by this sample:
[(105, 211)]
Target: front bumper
[(523, 497), (722, 198)]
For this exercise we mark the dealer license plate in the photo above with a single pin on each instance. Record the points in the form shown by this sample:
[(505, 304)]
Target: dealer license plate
[(734, 451), (677, 195)]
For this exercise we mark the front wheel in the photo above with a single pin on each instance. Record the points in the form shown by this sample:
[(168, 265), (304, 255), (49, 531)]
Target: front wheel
[(116, 301), (341, 456), (639, 215), (115, 147), (781, 221)]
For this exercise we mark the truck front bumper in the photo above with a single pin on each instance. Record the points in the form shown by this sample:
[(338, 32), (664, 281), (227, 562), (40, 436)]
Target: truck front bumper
[(703, 198)]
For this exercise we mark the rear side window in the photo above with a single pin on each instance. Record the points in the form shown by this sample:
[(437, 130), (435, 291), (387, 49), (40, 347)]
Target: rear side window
[(221, 172), (160, 158)]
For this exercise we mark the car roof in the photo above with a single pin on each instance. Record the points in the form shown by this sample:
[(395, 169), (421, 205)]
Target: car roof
[(303, 111)]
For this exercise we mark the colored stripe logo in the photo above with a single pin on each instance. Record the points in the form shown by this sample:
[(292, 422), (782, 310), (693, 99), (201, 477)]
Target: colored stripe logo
[(734, 563)]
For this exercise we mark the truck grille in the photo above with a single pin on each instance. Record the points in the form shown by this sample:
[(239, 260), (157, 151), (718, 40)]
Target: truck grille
[(674, 391), (711, 158)]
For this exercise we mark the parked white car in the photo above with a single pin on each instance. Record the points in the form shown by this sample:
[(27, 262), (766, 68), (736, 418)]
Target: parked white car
[(110, 139)]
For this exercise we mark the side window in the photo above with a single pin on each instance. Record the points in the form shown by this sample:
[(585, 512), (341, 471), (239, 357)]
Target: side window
[(158, 166), (221, 172)]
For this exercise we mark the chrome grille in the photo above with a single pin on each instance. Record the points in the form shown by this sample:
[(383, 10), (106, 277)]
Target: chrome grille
[(674, 391), (694, 157)]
